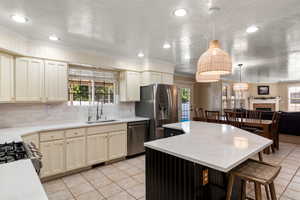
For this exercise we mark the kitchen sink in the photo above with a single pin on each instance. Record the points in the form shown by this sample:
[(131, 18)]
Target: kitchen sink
[(101, 121)]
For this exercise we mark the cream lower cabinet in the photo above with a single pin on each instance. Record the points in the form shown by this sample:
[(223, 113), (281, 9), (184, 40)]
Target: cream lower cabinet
[(67, 150), (53, 157), (97, 148), (75, 153), (117, 145)]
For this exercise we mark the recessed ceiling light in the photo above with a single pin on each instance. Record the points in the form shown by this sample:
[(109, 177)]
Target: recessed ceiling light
[(167, 46), (180, 12), (252, 29), (19, 18), (53, 38), (141, 55), (187, 57)]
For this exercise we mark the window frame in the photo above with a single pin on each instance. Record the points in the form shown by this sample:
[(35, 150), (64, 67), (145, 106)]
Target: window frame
[(293, 107), (92, 82)]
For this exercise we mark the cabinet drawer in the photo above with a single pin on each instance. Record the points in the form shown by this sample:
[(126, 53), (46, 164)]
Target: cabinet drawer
[(75, 132), (106, 128), (53, 135)]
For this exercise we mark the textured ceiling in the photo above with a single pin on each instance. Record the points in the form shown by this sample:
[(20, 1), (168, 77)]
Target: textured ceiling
[(126, 27)]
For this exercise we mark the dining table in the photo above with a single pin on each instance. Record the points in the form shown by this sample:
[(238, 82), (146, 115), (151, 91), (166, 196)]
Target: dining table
[(264, 125)]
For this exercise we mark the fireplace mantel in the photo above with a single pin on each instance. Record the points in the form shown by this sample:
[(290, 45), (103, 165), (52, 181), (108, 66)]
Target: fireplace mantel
[(264, 102)]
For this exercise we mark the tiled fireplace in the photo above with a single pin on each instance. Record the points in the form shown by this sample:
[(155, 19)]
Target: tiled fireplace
[(265, 104)]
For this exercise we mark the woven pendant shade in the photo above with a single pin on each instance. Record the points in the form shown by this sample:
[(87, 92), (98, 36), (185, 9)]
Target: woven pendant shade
[(214, 61), (207, 78)]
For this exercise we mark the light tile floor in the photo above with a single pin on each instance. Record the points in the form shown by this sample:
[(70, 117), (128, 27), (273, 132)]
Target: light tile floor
[(125, 180)]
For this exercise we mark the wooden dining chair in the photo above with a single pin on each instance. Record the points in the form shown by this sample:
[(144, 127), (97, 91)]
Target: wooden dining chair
[(275, 129), (212, 116), (234, 118), (199, 115), (253, 114)]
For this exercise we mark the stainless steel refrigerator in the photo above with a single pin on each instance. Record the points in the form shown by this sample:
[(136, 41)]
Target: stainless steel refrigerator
[(159, 102)]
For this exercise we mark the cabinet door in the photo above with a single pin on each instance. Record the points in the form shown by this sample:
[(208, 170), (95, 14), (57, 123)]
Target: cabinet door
[(56, 81), (62, 81), (151, 78), (53, 157), (96, 148), (29, 79), (75, 153), (117, 145), (6, 78), (133, 86), (167, 79), (156, 77)]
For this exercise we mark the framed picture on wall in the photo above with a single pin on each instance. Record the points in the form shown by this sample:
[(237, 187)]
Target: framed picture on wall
[(263, 90)]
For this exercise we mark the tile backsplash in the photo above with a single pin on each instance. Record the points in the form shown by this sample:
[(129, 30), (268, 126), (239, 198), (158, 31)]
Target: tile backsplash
[(18, 115)]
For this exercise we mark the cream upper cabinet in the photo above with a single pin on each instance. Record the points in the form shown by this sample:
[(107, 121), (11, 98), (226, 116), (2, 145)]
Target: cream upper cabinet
[(29, 79), (6, 78), (56, 81), (53, 157), (149, 78), (96, 148), (75, 153), (117, 145), (130, 86), (167, 78)]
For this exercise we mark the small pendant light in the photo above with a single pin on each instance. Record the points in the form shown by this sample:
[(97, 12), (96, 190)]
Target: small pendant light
[(240, 86)]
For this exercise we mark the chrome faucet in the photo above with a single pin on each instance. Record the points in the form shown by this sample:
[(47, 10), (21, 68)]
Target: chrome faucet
[(99, 116)]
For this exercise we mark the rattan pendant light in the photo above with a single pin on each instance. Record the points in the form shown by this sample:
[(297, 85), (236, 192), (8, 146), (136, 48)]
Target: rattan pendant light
[(214, 60), (240, 86), (207, 78)]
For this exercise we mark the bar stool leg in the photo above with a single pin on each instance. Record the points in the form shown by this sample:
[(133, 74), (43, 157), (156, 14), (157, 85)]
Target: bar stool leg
[(272, 191), (257, 191), (267, 192), (230, 186), (260, 156), (243, 190)]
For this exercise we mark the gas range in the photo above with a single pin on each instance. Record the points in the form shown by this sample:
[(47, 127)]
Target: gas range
[(13, 151)]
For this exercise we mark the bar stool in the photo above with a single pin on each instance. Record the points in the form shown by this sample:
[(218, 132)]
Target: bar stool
[(260, 173)]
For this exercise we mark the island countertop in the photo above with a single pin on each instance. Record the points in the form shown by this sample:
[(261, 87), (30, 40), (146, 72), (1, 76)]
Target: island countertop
[(217, 146)]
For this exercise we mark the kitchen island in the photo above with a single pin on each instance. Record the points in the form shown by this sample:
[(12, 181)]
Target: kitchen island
[(194, 165)]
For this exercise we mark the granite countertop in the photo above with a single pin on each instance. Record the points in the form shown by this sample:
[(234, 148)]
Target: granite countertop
[(217, 146), (19, 179)]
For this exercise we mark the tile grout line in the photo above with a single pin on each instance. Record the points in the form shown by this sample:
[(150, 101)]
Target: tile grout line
[(68, 189), (93, 185), (281, 195)]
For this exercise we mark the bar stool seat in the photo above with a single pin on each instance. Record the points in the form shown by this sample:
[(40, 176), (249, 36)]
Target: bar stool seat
[(260, 173)]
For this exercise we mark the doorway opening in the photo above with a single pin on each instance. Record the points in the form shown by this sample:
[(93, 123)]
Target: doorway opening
[(185, 104)]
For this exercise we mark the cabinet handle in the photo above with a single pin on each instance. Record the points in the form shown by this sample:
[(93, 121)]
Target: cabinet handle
[(76, 133)]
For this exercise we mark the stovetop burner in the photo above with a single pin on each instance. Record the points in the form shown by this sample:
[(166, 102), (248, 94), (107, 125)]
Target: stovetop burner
[(13, 151)]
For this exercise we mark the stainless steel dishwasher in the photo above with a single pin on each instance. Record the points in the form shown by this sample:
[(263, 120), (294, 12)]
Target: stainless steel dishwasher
[(136, 136)]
